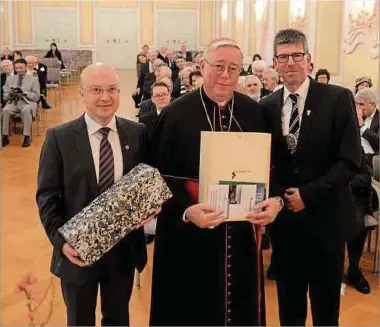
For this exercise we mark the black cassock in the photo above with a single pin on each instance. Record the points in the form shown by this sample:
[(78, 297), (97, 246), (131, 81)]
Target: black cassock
[(202, 276)]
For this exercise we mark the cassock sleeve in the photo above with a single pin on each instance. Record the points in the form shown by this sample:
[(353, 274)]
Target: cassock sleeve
[(349, 147), (165, 137)]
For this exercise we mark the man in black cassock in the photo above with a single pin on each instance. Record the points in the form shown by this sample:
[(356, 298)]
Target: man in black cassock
[(205, 269)]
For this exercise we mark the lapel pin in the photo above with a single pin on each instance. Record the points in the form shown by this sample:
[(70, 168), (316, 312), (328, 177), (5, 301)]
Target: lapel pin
[(308, 112), (127, 147)]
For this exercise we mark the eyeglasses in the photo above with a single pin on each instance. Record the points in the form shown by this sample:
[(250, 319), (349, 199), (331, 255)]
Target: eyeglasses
[(219, 69), (99, 91), (161, 96), (297, 57)]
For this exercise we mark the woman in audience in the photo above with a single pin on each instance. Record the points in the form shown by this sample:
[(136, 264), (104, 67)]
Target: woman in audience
[(362, 83), (55, 53), (17, 55), (255, 57), (322, 76), (184, 75), (197, 60)]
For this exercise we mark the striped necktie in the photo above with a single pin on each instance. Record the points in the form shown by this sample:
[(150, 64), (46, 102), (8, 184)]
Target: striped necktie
[(294, 123), (106, 161)]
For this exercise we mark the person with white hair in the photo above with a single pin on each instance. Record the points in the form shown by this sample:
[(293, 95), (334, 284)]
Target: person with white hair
[(6, 70), (270, 81), (205, 269), (253, 87), (257, 68), (368, 118)]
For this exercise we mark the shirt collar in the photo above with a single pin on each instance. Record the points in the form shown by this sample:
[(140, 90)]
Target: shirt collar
[(93, 126), (301, 91)]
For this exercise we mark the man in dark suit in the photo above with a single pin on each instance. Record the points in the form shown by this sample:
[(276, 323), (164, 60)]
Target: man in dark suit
[(6, 55), (146, 78), (163, 54), (74, 169), (40, 70), (315, 154), (187, 55), (368, 117)]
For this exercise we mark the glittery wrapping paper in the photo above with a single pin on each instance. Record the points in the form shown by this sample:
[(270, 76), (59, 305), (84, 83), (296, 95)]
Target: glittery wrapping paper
[(115, 213)]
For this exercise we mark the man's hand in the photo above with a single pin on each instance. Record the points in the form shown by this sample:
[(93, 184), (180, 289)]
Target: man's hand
[(359, 114), (150, 218), (137, 91), (205, 215), (72, 255), (293, 200), (264, 212)]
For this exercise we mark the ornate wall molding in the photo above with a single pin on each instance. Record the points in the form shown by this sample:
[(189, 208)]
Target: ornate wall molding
[(361, 25)]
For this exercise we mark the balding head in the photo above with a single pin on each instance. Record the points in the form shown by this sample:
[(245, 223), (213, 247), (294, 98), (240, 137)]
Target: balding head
[(93, 73), (30, 62), (100, 92)]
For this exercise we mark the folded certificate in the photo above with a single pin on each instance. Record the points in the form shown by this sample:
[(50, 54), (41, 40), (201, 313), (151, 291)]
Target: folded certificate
[(234, 171), (115, 213)]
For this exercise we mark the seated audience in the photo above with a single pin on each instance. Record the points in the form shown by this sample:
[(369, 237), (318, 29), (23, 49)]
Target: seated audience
[(257, 68), (35, 68), (55, 53), (194, 76), (362, 83), (322, 76), (6, 70), (21, 93), (270, 81), (187, 55), (17, 55), (184, 75), (253, 87), (6, 54)]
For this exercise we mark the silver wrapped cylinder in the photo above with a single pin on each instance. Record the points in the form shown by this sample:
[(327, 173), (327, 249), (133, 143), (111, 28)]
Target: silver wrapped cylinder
[(112, 215)]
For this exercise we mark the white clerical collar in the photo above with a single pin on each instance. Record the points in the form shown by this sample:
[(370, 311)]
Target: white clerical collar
[(93, 126), (301, 91)]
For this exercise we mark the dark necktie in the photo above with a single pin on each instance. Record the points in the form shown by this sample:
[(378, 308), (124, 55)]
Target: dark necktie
[(106, 161), (19, 82), (294, 123)]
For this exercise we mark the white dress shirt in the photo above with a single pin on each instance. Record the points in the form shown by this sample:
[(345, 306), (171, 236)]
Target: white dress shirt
[(113, 137), (287, 106), (367, 124)]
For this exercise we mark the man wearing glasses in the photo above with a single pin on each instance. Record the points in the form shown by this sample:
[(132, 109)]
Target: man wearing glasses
[(205, 271), (80, 160), (315, 155)]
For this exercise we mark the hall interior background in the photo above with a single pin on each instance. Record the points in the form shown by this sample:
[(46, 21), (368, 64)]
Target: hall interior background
[(343, 38)]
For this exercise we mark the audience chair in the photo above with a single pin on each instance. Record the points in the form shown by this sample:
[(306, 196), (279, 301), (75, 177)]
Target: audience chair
[(53, 76)]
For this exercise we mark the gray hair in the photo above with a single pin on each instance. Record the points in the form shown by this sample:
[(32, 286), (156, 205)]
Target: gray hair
[(221, 44), (290, 36), (367, 94), (259, 64), (273, 73), (254, 77)]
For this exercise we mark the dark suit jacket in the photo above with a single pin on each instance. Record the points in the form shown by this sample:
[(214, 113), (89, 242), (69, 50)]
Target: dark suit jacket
[(164, 59), (42, 77), (3, 79), (328, 157), (146, 107), (145, 81), (188, 57), (372, 134), (67, 183), (149, 121), (9, 58)]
